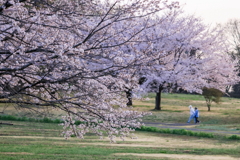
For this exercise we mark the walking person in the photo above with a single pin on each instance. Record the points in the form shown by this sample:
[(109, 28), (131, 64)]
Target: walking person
[(192, 113), (196, 115)]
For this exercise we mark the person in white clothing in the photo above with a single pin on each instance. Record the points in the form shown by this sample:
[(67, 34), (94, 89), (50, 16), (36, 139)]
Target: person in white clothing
[(192, 113)]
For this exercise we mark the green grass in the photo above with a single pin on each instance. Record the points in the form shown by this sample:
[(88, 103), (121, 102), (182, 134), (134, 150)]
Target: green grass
[(188, 133), (177, 96), (45, 146), (74, 151), (220, 127), (44, 120), (177, 131), (175, 109), (40, 138), (234, 137)]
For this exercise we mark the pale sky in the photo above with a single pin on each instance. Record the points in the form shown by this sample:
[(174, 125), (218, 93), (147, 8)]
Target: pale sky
[(213, 11)]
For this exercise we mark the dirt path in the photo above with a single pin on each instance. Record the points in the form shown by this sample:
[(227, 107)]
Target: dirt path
[(187, 126)]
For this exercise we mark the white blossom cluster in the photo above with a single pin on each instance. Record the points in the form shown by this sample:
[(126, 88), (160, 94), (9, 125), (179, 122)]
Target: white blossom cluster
[(71, 55), (190, 55)]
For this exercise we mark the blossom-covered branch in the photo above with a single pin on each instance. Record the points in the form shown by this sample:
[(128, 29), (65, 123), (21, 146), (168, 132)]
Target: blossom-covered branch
[(70, 56)]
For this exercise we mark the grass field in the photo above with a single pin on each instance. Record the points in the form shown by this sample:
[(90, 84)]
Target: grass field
[(31, 140), (175, 109)]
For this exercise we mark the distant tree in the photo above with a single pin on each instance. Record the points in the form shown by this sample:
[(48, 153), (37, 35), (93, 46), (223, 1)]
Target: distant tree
[(212, 95), (232, 30), (191, 58)]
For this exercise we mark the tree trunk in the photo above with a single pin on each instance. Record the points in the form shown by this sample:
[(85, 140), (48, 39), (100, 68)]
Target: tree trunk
[(208, 107), (158, 99), (129, 97)]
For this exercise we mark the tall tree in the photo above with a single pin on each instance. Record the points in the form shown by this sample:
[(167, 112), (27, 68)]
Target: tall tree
[(188, 55), (66, 55), (232, 30)]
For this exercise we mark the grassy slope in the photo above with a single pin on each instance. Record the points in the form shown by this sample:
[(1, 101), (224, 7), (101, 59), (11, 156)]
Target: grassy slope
[(30, 140), (175, 110)]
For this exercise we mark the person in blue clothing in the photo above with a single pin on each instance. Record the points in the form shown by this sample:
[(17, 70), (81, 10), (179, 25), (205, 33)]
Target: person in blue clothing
[(192, 114), (196, 116)]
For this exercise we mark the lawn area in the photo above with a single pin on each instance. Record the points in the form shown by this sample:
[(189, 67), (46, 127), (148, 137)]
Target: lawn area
[(175, 109), (33, 140)]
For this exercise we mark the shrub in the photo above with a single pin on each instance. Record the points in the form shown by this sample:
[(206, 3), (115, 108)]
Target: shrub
[(211, 95), (234, 137), (207, 135), (44, 120), (8, 117), (176, 131)]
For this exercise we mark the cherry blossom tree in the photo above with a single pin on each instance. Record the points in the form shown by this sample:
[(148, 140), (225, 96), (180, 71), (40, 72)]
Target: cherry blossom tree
[(232, 31), (188, 55), (67, 55)]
